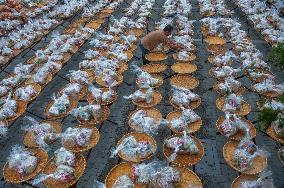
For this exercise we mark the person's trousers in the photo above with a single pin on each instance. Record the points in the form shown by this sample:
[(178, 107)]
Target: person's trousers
[(144, 52)]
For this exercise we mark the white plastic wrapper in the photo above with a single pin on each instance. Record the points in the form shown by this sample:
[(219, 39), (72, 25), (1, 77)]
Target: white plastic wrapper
[(229, 86), (64, 157), (274, 105), (22, 160), (139, 96), (256, 75), (225, 71), (123, 181), (133, 149), (77, 136), (181, 144), (91, 54), (278, 125), (12, 81), (167, 177), (4, 90), (183, 55), (264, 180), (40, 76), (9, 108), (96, 43), (60, 105), (110, 78), (25, 93), (22, 69), (144, 79), (87, 112), (183, 97), (99, 95), (223, 60), (79, 76), (269, 86), (72, 89), (232, 103), (181, 123)]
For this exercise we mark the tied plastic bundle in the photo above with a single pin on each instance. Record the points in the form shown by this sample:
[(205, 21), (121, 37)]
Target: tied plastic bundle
[(123, 181), (79, 76), (274, 105), (41, 75), (222, 60), (119, 55), (254, 74), (88, 112), (3, 130), (4, 90), (232, 103), (99, 95), (264, 180), (232, 124), (133, 149), (103, 37), (139, 96), (225, 71), (22, 69), (77, 136), (181, 144), (269, 86), (129, 39), (60, 105), (167, 177), (144, 122), (183, 97), (44, 132), (9, 108), (101, 45), (144, 79), (64, 157), (91, 54), (22, 160), (13, 81), (181, 123), (72, 89), (278, 125), (229, 86), (110, 78), (183, 55), (25, 93)]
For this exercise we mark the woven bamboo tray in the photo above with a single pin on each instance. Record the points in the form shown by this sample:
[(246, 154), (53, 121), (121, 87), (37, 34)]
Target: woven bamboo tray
[(48, 79), (151, 112), (93, 25), (79, 171), (211, 59), (259, 163), (184, 68), (191, 57), (37, 89), (92, 143), (105, 114), (156, 56), (279, 155), (29, 138), (153, 68), (239, 135), (192, 105), (100, 81), (21, 108), (271, 132), (73, 104), (138, 137), (157, 98), (185, 160), (187, 178), (124, 168), (270, 95), (136, 31), (13, 176), (122, 67), (237, 182), (160, 78), (185, 81), (76, 96), (213, 40), (216, 49), (191, 128), (92, 100), (240, 92), (245, 107)]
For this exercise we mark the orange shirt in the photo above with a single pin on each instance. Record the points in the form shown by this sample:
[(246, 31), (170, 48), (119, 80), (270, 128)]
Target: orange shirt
[(153, 39)]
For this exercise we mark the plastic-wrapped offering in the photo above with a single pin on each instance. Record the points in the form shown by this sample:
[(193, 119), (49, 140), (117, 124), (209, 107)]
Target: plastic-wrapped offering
[(123, 182), (25, 93), (183, 97), (232, 124), (72, 89), (233, 103), (144, 79), (4, 90), (183, 55), (91, 54), (229, 86), (133, 149), (12, 81), (87, 112), (64, 157), (181, 123), (278, 125), (181, 144), (167, 177), (269, 86), (80, 77), (9, 108), (225, 71), (221, 60), (77, 136), (139, 96), (60, 105), (274, 105), (264, 180), (22, 69), (22, 160)]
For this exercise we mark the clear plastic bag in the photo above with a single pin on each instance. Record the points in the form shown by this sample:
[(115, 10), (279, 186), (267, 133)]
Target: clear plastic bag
[(139, 96)]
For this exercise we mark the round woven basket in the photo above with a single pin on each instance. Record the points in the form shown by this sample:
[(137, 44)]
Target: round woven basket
[(29, 138), (139, 137), (136, 31), (122, 67), (184, 68), (21, 108), (187, 178), (151, 112), (217, 49), (93, 25), (92, 143), (245, 107), (270, 95), (13, 176), (185, 81), (240, 92), (213, 40), (153, 68), (279, 155), (100, 81), (160, 78), (191, 128), (157, 98), (185, 160), (124, 168), (51, 168), (192, 105), (105, 114), (37, 89), (237, 182), (73, 104), (156, 56), (271, 132), (239, 135), (48, 79), (191, 57), (75, 96), (91, 99), (259, 163)]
